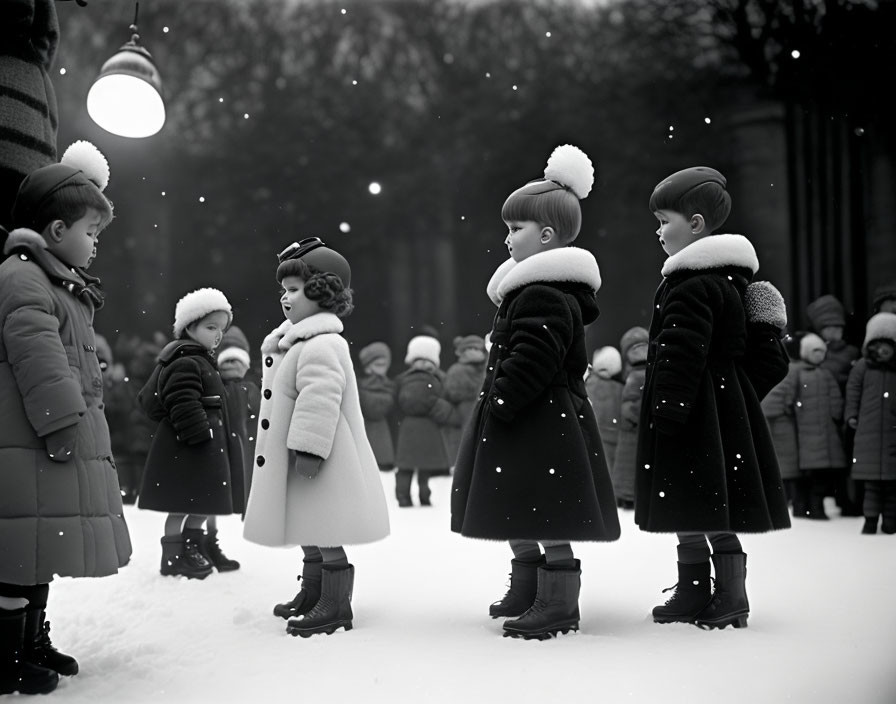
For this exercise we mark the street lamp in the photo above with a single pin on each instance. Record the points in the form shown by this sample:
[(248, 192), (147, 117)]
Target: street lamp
[(126, 98)]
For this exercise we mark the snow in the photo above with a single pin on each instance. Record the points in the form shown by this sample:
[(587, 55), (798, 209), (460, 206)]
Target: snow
[(822, 629)]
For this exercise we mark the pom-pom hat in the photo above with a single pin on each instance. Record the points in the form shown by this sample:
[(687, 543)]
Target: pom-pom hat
[(826, 311), (198, 304), (82, 164), (880, 326), (314, 252), (234, 345)]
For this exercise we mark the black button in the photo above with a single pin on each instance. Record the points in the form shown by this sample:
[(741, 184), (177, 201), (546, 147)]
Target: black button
[(267, 393), (269, 361), (265, 423), (259, 461)]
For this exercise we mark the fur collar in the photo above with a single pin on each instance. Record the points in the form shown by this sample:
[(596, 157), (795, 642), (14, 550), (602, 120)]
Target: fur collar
[(714, 252), (562, 265), (287, 334), (34, 243)]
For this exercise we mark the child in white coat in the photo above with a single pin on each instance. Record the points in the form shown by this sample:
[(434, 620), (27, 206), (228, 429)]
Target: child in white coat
[(316, 482)]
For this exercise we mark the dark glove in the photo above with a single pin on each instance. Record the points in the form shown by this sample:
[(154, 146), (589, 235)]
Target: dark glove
[(307, 465), (61, 443), (667, 426)]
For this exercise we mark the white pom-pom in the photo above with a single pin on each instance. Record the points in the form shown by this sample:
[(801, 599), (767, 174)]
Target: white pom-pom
[(571, 167), (85, 156)]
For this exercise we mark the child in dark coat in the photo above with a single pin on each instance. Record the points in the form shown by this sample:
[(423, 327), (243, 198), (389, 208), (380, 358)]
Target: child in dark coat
[(779, 408), (377, 392), (463, 382), (634, 353), (871, 411), (194, 469), (706, 463), (60, 501), (531, 468), (605, 393)]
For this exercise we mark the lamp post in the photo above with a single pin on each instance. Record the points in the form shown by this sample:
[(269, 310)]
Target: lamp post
[(126, 97)]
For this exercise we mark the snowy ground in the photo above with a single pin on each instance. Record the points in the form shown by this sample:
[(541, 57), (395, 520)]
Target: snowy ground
[(823, 627)]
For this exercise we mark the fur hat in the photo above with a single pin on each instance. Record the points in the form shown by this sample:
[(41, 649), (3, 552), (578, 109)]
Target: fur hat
[(607, 359), (103, 350), (234, 345), (197, 304), (765, 304), (374, 351), (884, 293), (880, 326), (633, 336), (810, 342), (468, 342), (423, 347), (825, 311)]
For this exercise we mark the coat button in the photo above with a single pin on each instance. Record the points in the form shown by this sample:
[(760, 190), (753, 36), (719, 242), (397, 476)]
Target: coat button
[(267, 393), (259, 461), (268, 361), (265, 423)]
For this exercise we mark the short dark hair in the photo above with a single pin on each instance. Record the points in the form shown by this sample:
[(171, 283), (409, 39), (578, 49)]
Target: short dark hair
[(547, 203), (323, 287), (709, 199), (70, 203)]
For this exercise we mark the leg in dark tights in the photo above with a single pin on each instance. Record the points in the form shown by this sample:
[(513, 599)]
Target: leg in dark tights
[(692, 547), (559, 555), (526, 550), (174, 524)]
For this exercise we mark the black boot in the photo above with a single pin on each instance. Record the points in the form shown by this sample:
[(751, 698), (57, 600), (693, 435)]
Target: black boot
[(729, 605), (334, 608), (423, 486), (39, 648), (870, 527), (181, 558), (521, 594), (816, 500), (403, 478), (691, 595), (307, 597), (211, 551), (16, 673), (556, 606)]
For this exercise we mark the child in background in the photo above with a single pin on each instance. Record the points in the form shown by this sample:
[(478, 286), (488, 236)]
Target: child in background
[(871, 411), (531, 468), (316, 482), (819, 417), (60, 502), (706, 463), (605, 393), (634, 351), (377, 394), (423, 412), (779, 407), (463, 382), (885, 298), (194, 468)]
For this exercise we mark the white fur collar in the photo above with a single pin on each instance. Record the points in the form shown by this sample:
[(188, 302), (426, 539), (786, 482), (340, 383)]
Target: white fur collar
[(713, 252), (316, 324), (565, 264), (269, 344), (22, 235)]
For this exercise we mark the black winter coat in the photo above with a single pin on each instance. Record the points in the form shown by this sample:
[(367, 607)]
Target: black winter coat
[(195, 460), (423, 412), (706, 461), (531, 464), (377, 396)]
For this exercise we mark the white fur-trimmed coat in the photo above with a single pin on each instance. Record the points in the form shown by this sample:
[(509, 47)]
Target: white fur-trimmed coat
[(310, 403)]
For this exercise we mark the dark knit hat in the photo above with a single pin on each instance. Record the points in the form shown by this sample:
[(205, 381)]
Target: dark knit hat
[(826, 311), (314, 252), (675, 186), (234, 345), (466, 342), (633, 336), (374, 351), (884, 293)]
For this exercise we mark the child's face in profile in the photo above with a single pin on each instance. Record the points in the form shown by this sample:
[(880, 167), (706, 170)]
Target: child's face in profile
[(209, 330), (75, 245), (523, 239), (293, 302), (377, 367), (881, 350), (674, 232)]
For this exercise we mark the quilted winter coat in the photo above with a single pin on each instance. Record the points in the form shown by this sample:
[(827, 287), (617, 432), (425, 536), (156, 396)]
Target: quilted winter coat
[(531, 464), (779, 407), (871, 397), (377, 396), (310, 403), (623, 472), (606, 400), (819, 417), (56, 519), (195, 461), (706, 461)]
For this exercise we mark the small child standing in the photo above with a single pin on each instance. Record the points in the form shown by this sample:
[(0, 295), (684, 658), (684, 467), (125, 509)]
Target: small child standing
[(871, 410), (423, 412), (463, 382), (706, 463), (779, 407), (195, 460), (605, 393), (377, 395), (316, 482), (60, 511), (531, 468), (634, 352)]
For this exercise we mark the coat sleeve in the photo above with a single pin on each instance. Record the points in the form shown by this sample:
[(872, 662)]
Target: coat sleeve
[(51, 393), (765, 360), (682, 346), (854, 390), (180, 386), (541, 331), (320, 383), (377, 398), (836, 398)]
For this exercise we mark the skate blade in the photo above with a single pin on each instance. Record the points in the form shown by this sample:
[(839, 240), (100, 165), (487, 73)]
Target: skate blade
[(327, 630)]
